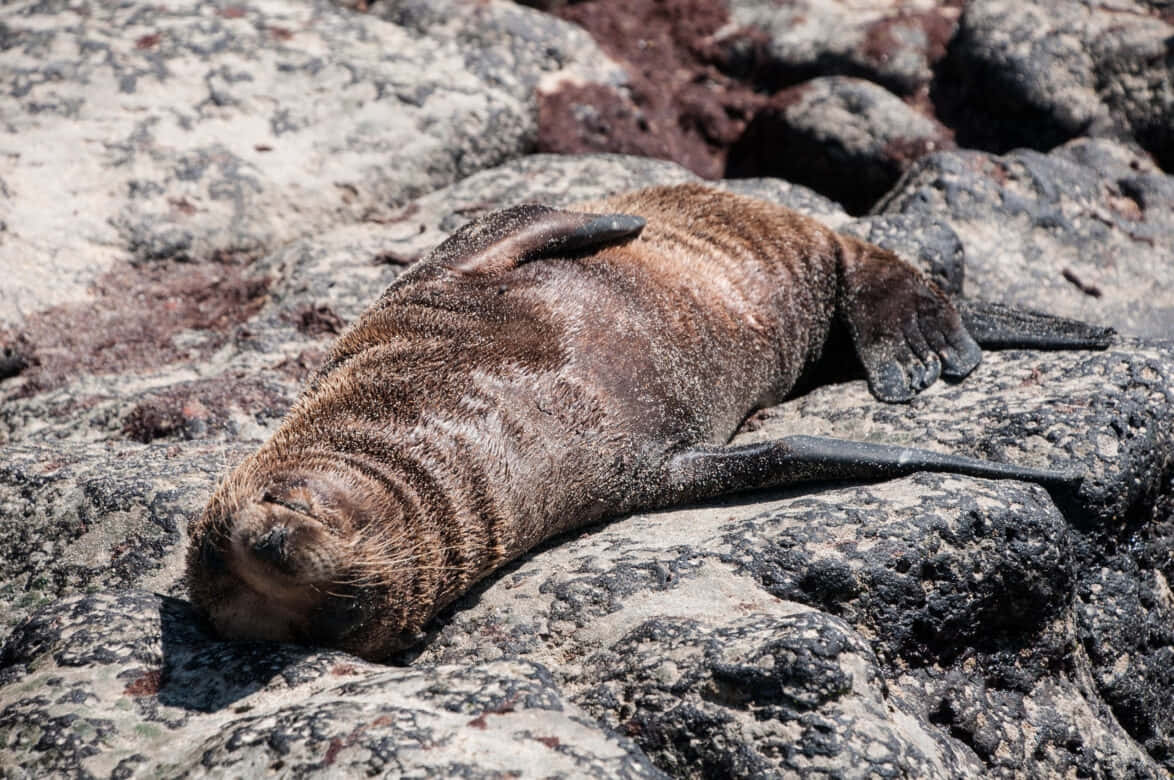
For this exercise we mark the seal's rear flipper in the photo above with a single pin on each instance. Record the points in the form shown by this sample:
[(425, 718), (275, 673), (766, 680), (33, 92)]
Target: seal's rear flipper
[(706, 472), (997, 326), (505, 239)]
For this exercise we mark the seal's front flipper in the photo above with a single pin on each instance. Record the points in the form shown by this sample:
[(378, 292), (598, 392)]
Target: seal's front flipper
[(706, 472), (997, 326), (905, 330), (505, 239)]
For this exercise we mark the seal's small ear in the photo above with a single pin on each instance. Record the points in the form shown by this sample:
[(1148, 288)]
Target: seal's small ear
[(505, 239)]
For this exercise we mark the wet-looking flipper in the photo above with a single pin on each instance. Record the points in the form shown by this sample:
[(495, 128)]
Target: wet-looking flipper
[(505, 239), (997, 326), (707, 472)]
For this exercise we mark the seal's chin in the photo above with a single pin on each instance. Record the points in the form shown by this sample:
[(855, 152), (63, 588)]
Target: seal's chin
[(246, 614)]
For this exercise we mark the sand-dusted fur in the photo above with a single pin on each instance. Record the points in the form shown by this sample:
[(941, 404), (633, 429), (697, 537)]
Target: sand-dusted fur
[(539, 371)]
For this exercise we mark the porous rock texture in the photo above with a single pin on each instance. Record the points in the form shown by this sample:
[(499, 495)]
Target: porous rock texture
[(720, 84), (849, 137), (1086, 231), (932, 626), (1040, 73)]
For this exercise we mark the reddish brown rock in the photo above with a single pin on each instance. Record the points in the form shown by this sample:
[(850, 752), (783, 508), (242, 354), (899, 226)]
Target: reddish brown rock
[(677, 104)]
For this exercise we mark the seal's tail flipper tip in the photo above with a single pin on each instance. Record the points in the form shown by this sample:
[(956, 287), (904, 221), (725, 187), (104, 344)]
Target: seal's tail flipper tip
[(1066, 492), (997, 326)]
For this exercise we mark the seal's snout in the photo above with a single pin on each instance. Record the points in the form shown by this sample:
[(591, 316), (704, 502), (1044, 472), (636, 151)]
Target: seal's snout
[(276, 547), (300, 549), (285, 561), (271, 547)]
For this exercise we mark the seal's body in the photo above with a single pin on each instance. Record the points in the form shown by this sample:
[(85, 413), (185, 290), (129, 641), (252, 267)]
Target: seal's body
[(542, 370)]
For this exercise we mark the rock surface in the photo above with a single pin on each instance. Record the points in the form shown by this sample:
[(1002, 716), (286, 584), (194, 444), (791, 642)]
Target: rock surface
[(144, 133), (1084, 232), (193, 705), (933, 626), (1039, 73), (847, 137), (895, 43)]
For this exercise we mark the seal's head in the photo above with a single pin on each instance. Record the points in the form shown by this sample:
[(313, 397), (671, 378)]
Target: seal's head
[(298, 559)]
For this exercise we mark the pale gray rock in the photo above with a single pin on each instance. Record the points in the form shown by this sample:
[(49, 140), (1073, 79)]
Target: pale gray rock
[(928, 626), (1037, 73), (1082, 232), (895, 43), (204, 131), (514, 48)]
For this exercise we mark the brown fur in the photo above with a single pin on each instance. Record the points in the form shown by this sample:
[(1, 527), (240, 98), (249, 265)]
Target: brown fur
[(472, 413)]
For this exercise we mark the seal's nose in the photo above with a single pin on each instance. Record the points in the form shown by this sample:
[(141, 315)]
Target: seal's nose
[(273, 542), (271, 547)]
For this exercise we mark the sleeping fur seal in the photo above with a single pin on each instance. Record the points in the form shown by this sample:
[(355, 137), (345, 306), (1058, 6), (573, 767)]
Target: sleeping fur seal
[(542, 370)]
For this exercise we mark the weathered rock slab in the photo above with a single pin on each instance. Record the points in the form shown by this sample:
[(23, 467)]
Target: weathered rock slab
[(912, 626), (130, 684), (894, 43), (1083, 232), (150, 133), (847, 138), (1041, 72)]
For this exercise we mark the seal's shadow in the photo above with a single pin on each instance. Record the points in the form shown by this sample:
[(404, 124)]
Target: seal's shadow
[(204, 673)]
